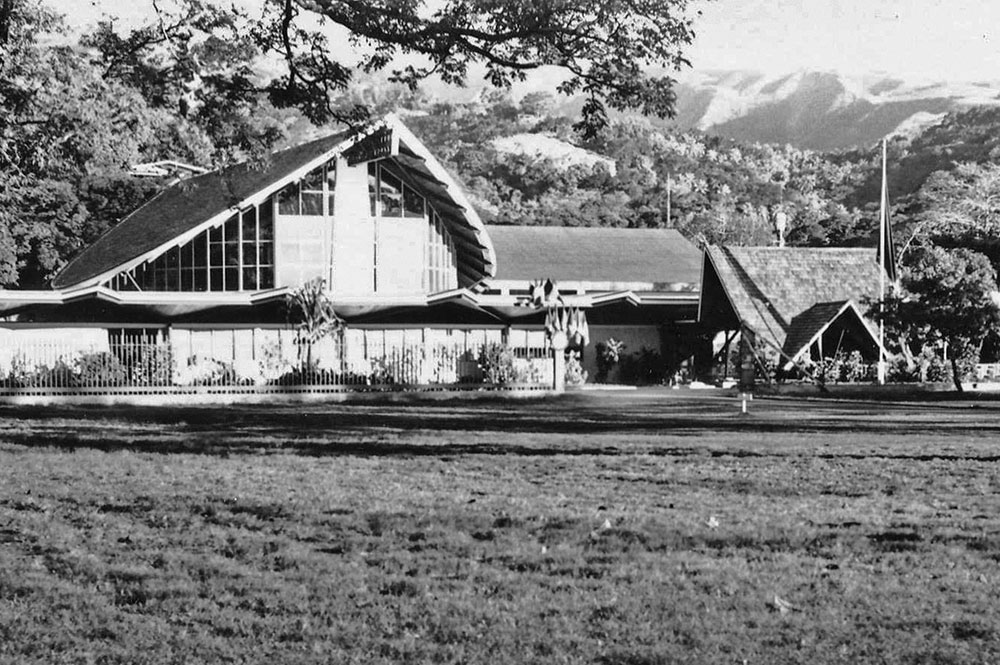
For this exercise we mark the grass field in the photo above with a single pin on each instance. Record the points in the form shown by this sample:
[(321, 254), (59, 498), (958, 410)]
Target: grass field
[(615, 529)]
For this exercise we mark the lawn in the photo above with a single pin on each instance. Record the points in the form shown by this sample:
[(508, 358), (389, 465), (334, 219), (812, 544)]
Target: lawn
[(615, 529)]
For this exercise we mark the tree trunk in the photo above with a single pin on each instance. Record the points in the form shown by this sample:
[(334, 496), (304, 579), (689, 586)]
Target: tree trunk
[(955, 374), (6, 17)]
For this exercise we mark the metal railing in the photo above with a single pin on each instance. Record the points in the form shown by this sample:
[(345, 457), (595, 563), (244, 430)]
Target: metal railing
[(161, 361)]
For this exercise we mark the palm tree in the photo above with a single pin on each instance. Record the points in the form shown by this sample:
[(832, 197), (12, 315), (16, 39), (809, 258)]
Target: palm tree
[(312, 308)]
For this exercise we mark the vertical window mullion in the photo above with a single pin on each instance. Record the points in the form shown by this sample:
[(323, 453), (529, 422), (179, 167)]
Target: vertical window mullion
[(425, 277), (239, 251), (378, 215)]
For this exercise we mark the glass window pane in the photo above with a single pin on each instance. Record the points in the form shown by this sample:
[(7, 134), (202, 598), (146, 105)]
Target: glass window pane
[(313, 181), (232, 254), (249, 254), (373, 187), (215, 255), (215, 234), (231, 231), (331, 175), (249, 279), (266, 280), (217, 279), (391, 195), (198, 248), (187, 280), (413, 203), (265, 220), (288, 200), (172, 280), (232, 279), (312, 204), (266, 254), (201, 280), (249, 221)]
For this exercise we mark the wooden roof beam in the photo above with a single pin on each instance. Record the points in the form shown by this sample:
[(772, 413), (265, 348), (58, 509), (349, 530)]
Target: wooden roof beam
[(436, 194), (417, 169)]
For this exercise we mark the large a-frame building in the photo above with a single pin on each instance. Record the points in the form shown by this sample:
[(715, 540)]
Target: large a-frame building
[(205, 267)]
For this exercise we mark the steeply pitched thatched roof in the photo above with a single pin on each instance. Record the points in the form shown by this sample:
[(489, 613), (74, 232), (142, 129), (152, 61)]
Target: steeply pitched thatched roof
[(662, 258), (788, 294)]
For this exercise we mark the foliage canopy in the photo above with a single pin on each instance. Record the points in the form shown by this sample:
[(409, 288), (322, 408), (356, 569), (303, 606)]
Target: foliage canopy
[(946, 296), (608, 50)]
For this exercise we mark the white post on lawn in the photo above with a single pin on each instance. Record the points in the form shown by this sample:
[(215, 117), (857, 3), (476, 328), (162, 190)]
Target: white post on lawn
[(559, 342)]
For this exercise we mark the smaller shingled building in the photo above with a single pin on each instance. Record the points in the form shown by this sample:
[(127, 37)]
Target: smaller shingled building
[(791, 303)]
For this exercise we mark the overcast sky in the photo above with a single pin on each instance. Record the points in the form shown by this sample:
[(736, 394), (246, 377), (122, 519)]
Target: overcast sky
[(935, 39), (941, 39)]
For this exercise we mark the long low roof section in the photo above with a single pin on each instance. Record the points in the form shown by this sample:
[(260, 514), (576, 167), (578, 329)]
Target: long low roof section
[(660, 257)]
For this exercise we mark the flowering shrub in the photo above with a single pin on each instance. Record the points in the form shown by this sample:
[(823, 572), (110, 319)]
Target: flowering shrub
[(575, 374), (608, 355), (199, 371)]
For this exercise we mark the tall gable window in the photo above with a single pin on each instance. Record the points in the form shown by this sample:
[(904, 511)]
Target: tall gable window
[(308, 196), (237, 255), (390, 194), (257, 257), (405, 221), (441, 272)]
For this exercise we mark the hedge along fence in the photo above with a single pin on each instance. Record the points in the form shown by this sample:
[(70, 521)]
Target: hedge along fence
[(157, 359)]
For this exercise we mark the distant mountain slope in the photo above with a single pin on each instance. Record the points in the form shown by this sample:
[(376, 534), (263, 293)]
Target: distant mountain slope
[(807, 109), (819, 110)]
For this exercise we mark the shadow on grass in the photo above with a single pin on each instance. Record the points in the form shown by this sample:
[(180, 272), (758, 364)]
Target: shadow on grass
[(383, 429)]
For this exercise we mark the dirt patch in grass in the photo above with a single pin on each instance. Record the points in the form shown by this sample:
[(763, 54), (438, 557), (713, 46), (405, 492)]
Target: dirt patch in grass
[(648, 528)]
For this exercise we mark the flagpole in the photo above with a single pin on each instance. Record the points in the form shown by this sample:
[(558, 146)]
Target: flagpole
[(882, 250)]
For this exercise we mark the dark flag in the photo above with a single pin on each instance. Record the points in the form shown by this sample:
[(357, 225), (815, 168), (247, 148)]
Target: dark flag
[(886, 254)]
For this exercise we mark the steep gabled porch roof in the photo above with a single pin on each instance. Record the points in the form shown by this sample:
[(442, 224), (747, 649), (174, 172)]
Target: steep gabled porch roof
[(788, 296)]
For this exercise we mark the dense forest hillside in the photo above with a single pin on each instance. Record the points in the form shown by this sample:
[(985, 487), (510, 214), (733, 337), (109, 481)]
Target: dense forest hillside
[(720, 190), (71, 125)]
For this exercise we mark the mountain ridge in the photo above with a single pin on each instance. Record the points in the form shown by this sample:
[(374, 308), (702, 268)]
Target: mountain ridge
[(820, 110), (813, 109)]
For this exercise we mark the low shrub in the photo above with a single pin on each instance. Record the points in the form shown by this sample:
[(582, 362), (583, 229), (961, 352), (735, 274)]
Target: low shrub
[(99, 369), (646, 367), (497, 363), (608, 355), (198, 371), (24, 374)]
